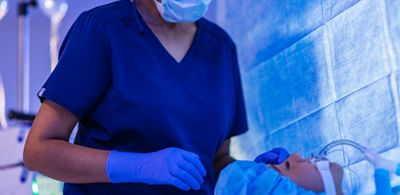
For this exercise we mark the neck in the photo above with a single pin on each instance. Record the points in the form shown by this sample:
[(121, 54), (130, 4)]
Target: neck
[(150, 13)]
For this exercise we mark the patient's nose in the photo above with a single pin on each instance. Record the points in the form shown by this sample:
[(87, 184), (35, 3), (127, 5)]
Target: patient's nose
[(297, 158)]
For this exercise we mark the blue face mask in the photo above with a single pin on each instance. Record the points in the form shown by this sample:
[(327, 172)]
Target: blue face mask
[(250, 178), (182, 10)]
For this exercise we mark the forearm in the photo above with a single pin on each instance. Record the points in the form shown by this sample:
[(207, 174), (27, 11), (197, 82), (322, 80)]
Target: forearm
[(221, 162), (66, 162), (47, 149), (222, 157)]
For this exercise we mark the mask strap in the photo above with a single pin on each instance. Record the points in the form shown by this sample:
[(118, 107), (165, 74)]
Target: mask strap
[(327, 179)]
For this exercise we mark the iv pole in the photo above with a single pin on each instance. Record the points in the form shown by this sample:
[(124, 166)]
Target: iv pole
[(24, 53), (23, 69)]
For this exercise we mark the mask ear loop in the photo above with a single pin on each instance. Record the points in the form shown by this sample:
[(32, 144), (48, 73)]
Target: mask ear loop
[(327, 179)]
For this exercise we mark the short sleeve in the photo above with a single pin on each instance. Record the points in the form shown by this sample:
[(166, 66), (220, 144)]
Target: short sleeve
[(239, 124), (83, 72)]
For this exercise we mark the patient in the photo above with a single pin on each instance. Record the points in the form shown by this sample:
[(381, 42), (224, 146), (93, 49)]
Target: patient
[(278, 172), (306, 175)]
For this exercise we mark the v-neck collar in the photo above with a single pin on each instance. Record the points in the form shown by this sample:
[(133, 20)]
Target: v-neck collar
[(161, 50)]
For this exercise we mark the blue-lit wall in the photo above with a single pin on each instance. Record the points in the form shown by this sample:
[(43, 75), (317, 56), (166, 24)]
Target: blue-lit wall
[(315, 71)]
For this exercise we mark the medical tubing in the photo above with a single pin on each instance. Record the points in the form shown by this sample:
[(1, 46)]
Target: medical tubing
[(383, 167), (373, 157), (333, 144)]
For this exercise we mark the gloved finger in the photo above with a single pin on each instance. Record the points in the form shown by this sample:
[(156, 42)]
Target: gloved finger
[(180, 184), (280, 151), (195, 160), (283, 154), (186, 178), (192, 170), (268, 158), (277, 149)]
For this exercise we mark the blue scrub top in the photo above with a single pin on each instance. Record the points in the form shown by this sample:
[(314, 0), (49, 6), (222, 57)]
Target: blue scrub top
[(131, 95)]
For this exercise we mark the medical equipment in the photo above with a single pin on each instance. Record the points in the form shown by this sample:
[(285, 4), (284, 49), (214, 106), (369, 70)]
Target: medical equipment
[(322, 165), (24, 121), (383, 167), (3, 120), (371, 156), (333, 144), (13, 171), (15, 179), (55, 10), (24, 53), (382, 182), (3, 8), (182, 11)]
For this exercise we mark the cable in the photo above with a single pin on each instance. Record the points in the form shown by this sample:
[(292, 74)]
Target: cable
[(324, 150)]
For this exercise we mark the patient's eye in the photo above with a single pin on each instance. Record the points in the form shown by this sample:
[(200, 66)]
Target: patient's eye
[(287, 165)]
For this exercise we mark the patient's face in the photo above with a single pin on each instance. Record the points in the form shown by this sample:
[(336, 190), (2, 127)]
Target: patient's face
[(304, 174)]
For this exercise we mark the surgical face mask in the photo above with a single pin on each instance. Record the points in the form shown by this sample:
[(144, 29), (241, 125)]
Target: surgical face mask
[(182, 10)]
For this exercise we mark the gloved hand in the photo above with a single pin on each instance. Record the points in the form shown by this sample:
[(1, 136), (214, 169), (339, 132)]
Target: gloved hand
[(381, 163), (170, 166), (274, 156)]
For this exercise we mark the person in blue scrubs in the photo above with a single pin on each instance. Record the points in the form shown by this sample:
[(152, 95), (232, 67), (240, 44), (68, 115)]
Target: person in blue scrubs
[(156, 91)]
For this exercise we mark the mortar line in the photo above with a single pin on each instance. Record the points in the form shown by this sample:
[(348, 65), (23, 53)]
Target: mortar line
[(392, 64)]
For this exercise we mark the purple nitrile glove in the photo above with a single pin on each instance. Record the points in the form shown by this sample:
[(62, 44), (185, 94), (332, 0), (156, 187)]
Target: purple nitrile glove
[(274, 156), (170, 166)]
